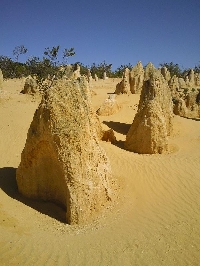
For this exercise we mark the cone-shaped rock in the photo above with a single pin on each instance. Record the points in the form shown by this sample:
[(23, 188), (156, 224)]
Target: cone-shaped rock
[(30, 86), (1, 79), (123, 86), (62, 160), (136, 78), (152, 123), (109, 107)]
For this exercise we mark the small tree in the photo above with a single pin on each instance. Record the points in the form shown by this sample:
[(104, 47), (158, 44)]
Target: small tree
[(52, 54), (68, 53), (21, 49), (7, 66)]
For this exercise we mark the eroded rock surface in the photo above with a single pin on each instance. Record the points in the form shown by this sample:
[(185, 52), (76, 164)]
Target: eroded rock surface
[(76, 74), (149, 70), (136, 78), (123, 86), (109, 107), (89, 76), (188, 106), (166, 74), (30, 86), (152, 123), (63, 161)]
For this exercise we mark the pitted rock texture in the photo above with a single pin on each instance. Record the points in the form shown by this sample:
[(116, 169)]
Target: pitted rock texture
[(189, 106), (123, 86), (153, 121), (62, 160), (30, 86), (136, 78), (109, 107)]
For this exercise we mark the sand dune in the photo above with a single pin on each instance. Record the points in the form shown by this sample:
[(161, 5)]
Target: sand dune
[(155, 220)]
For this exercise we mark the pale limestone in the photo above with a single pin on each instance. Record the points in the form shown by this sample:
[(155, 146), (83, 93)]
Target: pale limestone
[(166, 74), (30, 86), (109, 107), (136, 78), (105, 76), (96, 77), (191, 78), (174, 83), (76, 74), (153, 121), (188, 106), (148, 70), (182, 83), (197, 79), (63, 161), (89, 76), (123, 86)]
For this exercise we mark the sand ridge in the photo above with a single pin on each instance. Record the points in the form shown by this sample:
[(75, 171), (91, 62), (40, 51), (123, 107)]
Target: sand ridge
[(155, 220)]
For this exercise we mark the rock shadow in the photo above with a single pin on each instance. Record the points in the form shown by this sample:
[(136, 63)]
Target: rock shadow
[(191, 118), (119, 144), (121, 128), (8, 184)]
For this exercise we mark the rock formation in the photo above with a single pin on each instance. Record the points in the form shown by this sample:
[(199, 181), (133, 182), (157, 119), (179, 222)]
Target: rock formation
[(109, 136), (66, 72), (191, 78), (182, 83), (148, 70), (191, 100), (189, 106), (152, 123), (109, 107), (198, 98), (180, 107), (76, 74), (1, 79), (63, 161), (96, 77), (105, 76), (187, 82), (174, 83), (30, 86), (136, 78), (166, 74), (89, 76), (197, 79), (123, 86), (104, 135)]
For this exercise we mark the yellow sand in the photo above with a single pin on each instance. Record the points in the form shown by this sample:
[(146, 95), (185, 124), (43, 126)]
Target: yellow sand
[(155, 221)]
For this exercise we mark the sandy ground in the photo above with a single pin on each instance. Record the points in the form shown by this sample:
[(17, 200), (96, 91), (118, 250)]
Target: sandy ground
[(155, 220)]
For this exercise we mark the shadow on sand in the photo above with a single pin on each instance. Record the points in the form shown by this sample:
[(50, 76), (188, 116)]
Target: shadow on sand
[(121, 128), (9, 185), (191, 118)]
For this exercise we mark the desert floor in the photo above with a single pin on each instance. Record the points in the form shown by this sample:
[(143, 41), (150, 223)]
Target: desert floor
[(154, 221)]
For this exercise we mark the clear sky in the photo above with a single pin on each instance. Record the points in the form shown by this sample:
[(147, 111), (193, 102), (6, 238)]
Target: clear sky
[(119, 32)]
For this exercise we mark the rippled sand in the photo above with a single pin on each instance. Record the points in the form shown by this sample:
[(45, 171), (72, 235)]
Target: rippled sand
[(155, 220)]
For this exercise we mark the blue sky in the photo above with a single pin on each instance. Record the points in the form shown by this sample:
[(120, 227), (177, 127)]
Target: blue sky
[(119, 32)]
